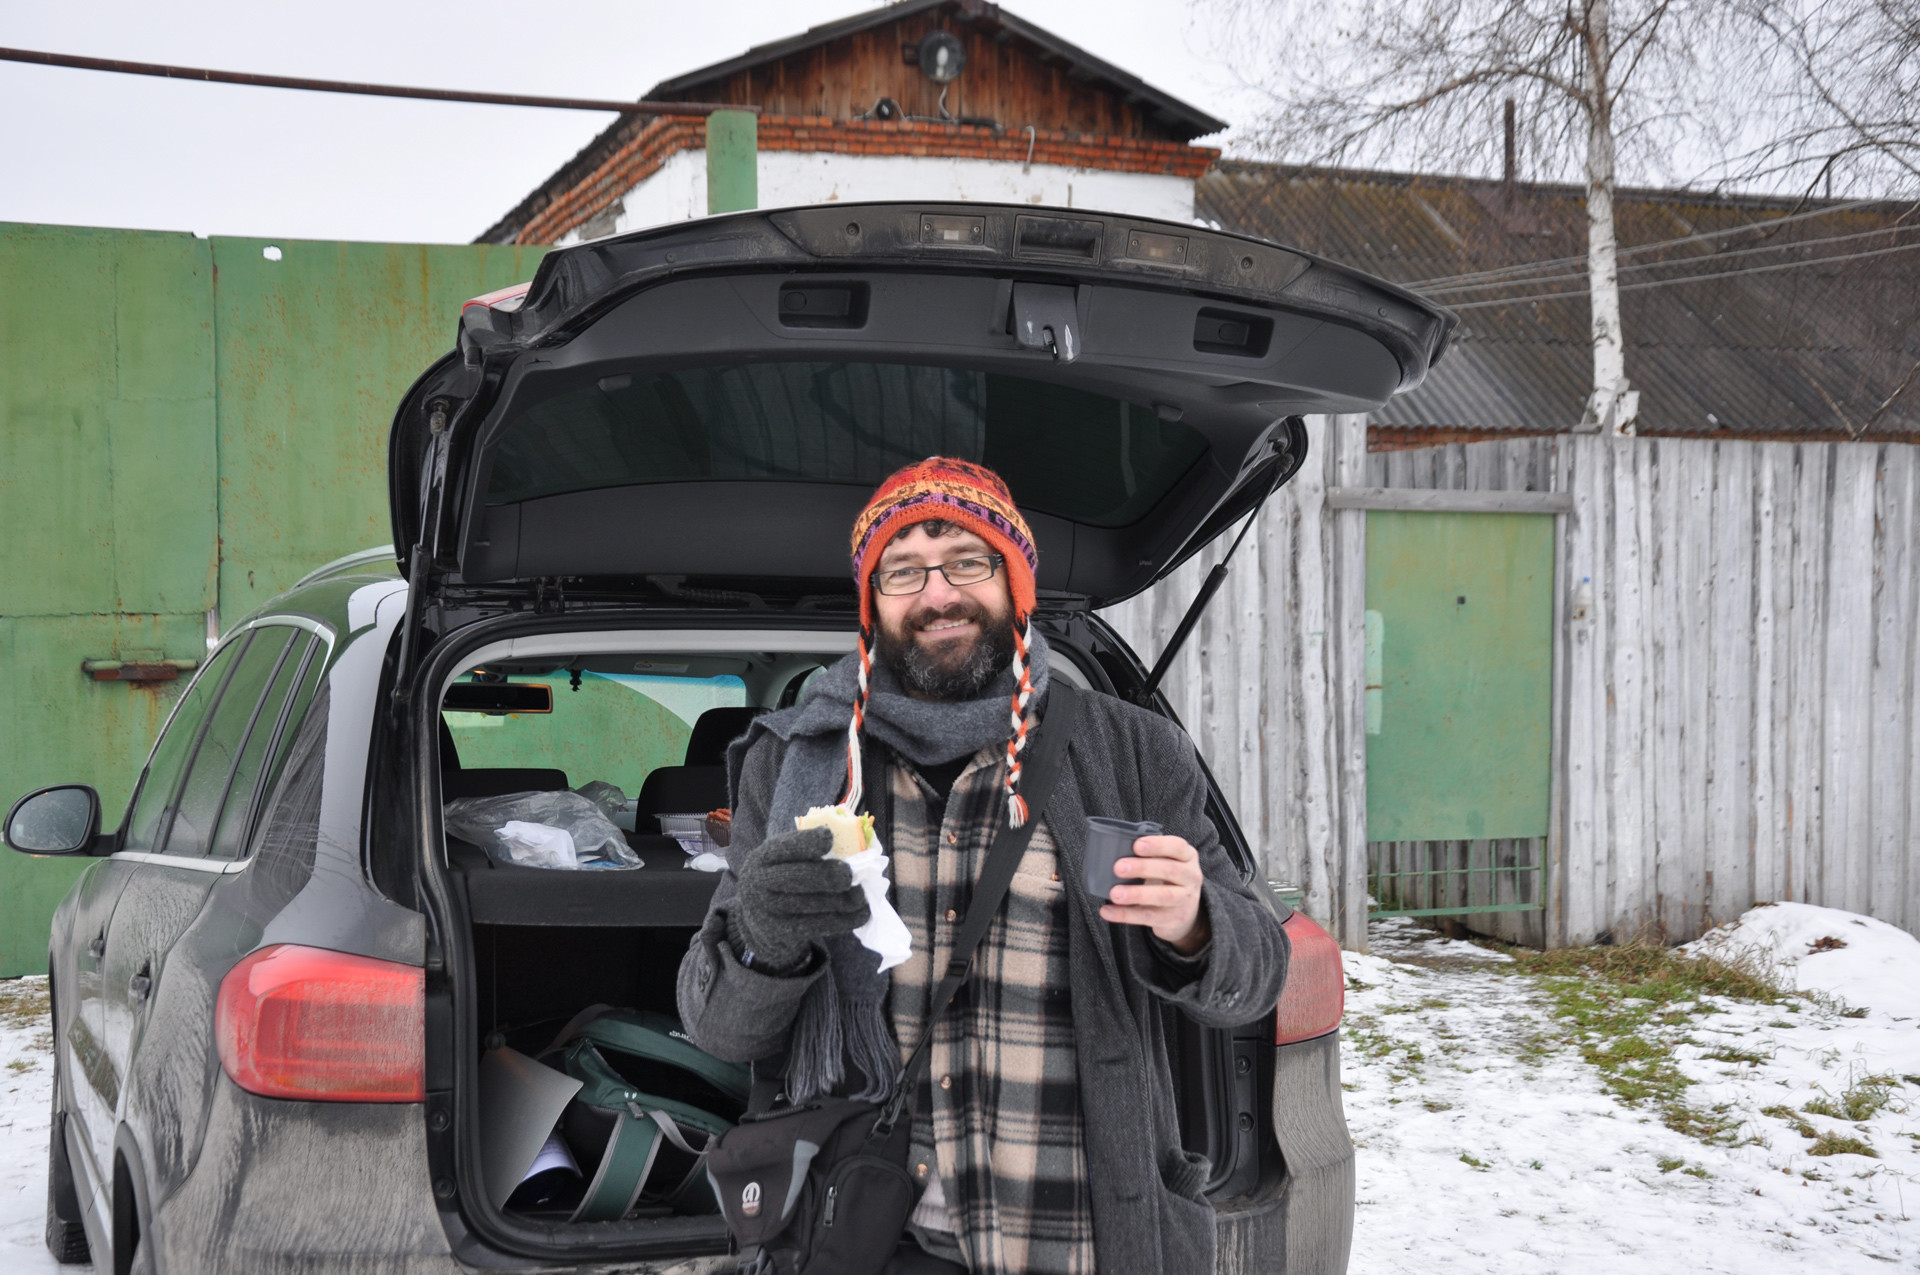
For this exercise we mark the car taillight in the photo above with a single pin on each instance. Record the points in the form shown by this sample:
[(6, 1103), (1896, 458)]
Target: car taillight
[(301, 1022), (1316, 992)]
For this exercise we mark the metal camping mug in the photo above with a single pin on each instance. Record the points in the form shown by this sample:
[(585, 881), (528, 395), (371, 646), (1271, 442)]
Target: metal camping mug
[(1108, 842)]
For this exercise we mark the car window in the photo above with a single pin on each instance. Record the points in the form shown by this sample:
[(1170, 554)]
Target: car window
[(303, 696), (146, 816), (269, 725), (1064, 451), (205, 786), (613, 727)]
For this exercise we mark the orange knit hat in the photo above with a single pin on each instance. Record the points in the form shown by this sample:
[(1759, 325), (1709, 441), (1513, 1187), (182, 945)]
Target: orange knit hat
[(974, 497)]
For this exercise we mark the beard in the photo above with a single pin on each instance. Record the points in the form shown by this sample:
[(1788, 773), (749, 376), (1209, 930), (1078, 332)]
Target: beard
[(954, 672)]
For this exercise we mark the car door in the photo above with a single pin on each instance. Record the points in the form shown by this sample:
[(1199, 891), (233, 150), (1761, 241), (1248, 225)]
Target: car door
[(216, 795), (93, 1082)]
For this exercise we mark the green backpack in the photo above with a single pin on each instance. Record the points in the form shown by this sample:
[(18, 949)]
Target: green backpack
[(651, 1101)]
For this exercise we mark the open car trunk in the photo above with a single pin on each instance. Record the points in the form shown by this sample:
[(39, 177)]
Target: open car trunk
[(542, 945), (668, 435), (715, 400)]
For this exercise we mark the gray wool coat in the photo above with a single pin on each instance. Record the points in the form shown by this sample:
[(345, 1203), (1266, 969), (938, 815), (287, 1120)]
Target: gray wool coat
[(1149, 1215)]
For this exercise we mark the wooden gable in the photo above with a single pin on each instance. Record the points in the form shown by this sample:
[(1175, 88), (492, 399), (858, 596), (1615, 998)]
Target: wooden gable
[(1010, 78)]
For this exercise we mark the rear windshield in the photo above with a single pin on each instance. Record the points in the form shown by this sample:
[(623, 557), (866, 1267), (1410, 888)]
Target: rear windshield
[(1066, 452)]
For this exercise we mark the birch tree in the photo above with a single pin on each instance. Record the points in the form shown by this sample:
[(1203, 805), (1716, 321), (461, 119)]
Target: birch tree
[(1847, 113), (1420, 83)]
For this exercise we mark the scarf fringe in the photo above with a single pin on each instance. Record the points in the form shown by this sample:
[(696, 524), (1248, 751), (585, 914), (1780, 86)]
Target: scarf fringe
[(842, 1025)]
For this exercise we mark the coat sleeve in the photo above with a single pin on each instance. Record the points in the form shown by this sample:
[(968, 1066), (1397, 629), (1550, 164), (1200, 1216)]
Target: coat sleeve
[(1237, 977), (730, 1011)]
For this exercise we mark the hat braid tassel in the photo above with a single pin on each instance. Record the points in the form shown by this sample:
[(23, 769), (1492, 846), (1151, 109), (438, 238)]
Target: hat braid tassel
[(1022, 719), (855, 785)]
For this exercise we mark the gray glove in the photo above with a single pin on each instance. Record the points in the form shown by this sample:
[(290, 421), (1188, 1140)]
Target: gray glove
[(790, 896)]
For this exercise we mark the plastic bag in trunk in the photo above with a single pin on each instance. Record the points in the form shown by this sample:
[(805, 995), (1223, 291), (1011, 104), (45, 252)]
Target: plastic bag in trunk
[(519, 829)]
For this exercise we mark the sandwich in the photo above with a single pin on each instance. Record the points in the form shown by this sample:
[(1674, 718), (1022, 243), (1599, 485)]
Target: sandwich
[(851, 833)]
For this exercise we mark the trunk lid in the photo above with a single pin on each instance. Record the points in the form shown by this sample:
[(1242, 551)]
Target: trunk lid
[(714, 401)]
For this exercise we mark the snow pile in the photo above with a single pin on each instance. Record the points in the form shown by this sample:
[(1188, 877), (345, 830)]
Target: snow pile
[(1828, 1081), (1486, 1143), (1823, 950)]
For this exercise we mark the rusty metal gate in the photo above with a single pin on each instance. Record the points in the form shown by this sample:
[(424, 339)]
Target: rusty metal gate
[(187, 426), (1459, 659)]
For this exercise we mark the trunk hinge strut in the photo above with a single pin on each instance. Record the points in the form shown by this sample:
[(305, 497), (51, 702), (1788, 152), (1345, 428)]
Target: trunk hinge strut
[(420, 561), (1208, 587)]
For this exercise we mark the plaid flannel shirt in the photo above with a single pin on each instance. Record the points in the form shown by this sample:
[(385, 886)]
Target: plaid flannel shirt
[(999, 1114)]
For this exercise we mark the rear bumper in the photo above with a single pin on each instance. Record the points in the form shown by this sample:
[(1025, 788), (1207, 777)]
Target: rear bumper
[(1305, 1227), (322, 1187), (304, 1186)]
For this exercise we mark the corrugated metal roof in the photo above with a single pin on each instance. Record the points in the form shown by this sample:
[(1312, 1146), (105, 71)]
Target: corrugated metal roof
[(1792, 330)]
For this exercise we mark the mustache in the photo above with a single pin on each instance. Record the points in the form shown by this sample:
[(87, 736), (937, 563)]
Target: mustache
[(959, 609)]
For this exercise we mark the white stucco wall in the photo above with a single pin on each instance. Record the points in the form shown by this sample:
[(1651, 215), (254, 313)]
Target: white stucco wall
[(678, 190)]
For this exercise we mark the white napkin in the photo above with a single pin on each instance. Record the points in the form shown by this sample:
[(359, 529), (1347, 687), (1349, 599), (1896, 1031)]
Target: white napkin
[(539, 845), (884, 933)]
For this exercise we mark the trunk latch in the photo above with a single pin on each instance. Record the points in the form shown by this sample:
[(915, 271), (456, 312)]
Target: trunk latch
[(1045, 317)]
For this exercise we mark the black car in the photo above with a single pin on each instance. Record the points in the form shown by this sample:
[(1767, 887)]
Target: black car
[(620, 510)]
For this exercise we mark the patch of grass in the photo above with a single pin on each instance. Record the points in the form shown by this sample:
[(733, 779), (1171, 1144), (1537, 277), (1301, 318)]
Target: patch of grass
[(1858, 1011), (1862, 1100), (1728, 1054), (23, 1002), (1468, 1160), (1793, 1118), (1431, 1002), (1696, 1171), (20, 1065), (1840, 1144), (1668, 1163), (1434, 1104), (1630, 1006), (1363, 1034)]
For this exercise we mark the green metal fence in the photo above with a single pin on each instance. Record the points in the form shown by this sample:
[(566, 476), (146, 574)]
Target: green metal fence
[(1456, 878), (187, 426)]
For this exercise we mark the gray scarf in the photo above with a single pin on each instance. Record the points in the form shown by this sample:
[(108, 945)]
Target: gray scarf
[(842, 1019)]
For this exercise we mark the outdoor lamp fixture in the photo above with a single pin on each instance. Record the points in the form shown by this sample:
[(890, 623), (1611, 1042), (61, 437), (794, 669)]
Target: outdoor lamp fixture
[(941, 57)]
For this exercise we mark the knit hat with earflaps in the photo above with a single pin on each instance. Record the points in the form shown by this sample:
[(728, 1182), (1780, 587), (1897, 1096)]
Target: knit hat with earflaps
[(973, 496)]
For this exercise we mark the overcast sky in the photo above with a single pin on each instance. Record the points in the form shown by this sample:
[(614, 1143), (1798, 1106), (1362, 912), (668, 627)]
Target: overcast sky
[(87, 148)]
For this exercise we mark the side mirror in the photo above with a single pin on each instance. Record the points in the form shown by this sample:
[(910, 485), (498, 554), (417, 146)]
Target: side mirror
[(63, 819)]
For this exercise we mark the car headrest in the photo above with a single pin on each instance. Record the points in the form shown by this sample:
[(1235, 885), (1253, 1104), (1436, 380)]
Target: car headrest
[(714, 730)]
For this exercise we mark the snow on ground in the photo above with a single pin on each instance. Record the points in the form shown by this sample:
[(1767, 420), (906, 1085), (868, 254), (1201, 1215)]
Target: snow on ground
[(26, 1091), (1486, 1143)]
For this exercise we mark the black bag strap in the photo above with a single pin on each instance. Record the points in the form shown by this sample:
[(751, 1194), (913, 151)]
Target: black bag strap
[(1003, 858)]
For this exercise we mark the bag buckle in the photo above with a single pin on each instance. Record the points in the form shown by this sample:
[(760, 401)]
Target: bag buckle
[(890, 1114)]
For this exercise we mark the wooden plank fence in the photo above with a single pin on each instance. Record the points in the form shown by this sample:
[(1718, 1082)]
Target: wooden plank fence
[(1737, 672)]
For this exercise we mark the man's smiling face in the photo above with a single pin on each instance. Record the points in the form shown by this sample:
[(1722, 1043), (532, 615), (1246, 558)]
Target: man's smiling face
[(947, 641)]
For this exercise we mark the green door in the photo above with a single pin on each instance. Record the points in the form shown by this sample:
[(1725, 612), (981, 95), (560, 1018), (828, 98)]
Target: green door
[(1459, 662)]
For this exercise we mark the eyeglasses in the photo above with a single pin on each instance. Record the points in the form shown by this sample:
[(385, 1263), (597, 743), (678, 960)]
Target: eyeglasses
[(958, 572)]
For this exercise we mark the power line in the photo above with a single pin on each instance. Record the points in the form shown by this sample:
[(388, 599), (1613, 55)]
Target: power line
[(365, 90), (1693, 278), (1529, 267), (1668, 265)]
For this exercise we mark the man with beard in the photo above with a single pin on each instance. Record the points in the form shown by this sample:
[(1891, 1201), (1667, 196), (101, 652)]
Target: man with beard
[(1044, 1135)]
